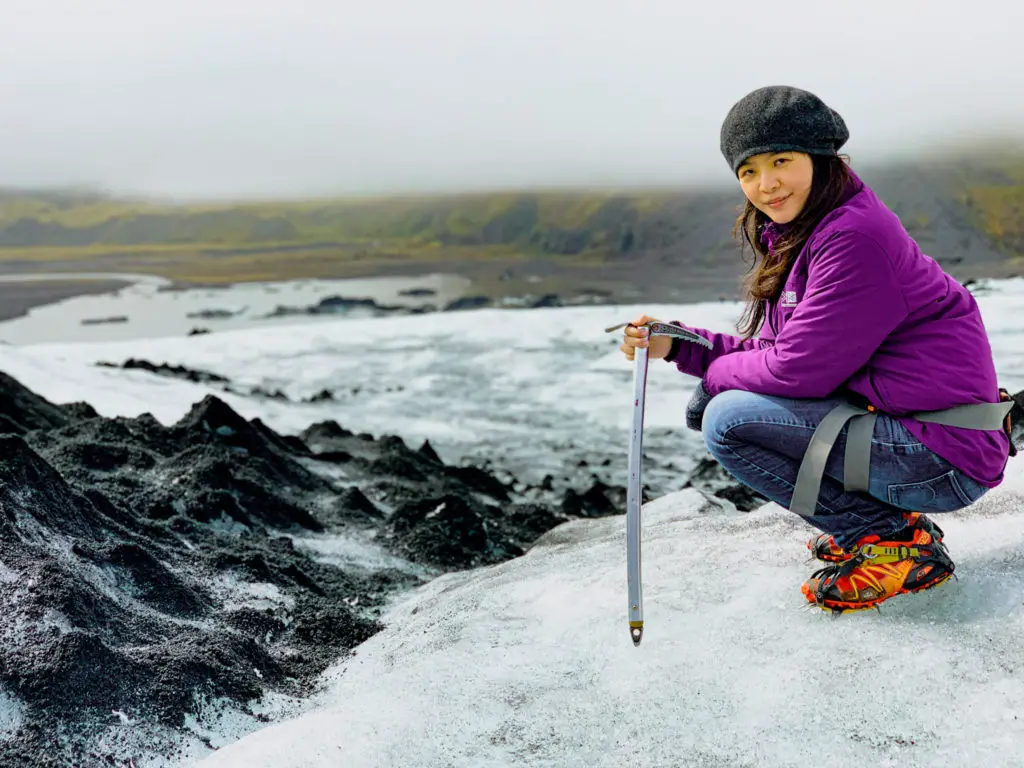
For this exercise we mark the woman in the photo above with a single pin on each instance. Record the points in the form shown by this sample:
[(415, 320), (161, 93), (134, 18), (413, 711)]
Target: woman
[(865, 343)]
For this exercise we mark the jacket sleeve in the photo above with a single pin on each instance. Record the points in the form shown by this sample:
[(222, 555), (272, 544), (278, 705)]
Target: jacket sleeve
[(694, 359), (851, 303)]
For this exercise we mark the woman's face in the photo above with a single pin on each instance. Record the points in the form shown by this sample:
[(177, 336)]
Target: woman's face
[(777, 183)]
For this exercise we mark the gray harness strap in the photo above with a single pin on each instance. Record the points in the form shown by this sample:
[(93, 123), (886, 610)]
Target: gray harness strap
[(812, 468), (984, 416), (857, 460)]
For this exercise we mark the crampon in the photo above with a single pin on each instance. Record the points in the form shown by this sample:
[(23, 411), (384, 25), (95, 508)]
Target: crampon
[(880, 570), (824, 547)]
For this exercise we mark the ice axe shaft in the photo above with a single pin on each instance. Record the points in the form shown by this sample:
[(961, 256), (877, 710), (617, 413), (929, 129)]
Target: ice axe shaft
[(634, 487), (634, 498)]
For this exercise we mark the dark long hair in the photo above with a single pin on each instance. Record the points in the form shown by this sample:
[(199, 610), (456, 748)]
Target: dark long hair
[(767, 274)]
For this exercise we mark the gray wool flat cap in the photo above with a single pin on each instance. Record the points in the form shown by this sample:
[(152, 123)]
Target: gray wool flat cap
[(780, 118)]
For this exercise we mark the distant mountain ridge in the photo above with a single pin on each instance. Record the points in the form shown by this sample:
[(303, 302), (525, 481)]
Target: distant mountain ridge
[(965, 211)]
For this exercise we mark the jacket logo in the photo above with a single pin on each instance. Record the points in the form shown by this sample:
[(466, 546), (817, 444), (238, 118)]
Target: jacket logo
[(788, 299)]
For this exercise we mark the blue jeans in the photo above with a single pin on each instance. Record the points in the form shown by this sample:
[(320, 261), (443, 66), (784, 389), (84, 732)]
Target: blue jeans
[(760, 440)]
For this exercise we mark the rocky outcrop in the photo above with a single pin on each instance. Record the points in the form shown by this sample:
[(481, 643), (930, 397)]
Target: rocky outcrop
[(146, 568)]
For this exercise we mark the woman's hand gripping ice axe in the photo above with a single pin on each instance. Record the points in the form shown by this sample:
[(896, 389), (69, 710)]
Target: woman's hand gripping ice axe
[(637, 338)]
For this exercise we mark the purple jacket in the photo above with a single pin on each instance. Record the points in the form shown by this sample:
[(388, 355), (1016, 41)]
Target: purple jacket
[(864, 309)]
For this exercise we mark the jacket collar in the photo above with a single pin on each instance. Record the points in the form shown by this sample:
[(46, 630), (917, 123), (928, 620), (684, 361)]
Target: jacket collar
[(771, 232)]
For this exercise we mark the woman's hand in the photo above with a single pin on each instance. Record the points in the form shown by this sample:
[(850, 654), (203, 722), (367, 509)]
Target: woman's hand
[(634, 336)]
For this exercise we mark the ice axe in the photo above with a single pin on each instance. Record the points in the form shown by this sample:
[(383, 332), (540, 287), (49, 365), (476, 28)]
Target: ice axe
[(634, 488)]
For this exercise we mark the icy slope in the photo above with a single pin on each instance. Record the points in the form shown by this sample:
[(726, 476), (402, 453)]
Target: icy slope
[(530, 663)]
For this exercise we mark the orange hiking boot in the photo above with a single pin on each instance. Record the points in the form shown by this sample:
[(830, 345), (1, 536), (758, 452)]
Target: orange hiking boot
[(880, 570), (824, 547)]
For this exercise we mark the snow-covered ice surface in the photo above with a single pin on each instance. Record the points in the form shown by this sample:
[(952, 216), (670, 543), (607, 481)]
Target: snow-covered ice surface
[(530, 662), (524, 388)]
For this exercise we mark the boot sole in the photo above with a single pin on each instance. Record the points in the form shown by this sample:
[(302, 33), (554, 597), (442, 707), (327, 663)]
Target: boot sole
[(837, 606)]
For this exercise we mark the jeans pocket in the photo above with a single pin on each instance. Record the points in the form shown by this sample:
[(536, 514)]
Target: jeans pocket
[(940, 494)]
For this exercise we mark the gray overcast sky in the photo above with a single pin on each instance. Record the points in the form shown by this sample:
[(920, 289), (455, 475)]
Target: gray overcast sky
[(255, 98)]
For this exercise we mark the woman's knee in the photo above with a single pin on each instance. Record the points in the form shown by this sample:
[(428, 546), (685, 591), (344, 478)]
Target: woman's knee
[(727, 411)]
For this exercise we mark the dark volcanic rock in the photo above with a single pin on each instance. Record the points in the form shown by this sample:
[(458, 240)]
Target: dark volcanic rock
[(214, 314), (114, 553), (427, 450), (467, 302), (146, 568), (331, 305), (22, 409), (709, 476), (548, 300), (104, 320), (600, 500), (172, 371), (447, 532), (34, 498), (207, 377), (351, 504), (407, 473), (452, 532)]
